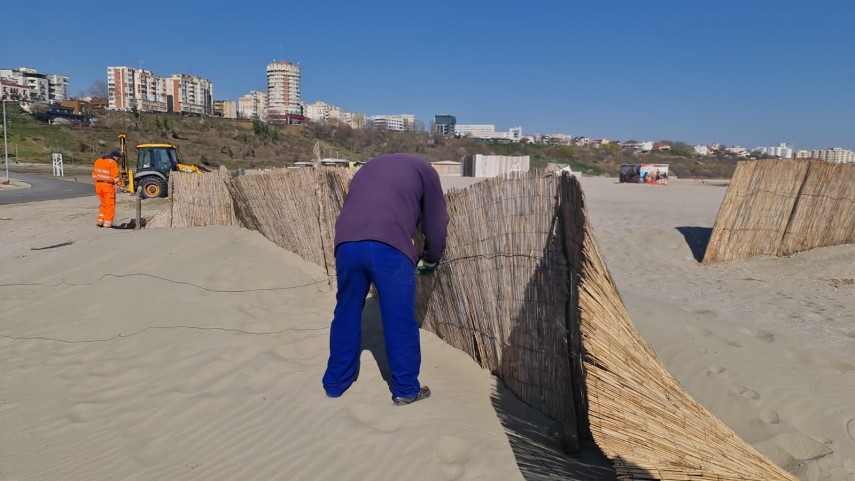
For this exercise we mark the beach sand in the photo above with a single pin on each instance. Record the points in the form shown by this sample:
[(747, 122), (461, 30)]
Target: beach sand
[(197, 354)]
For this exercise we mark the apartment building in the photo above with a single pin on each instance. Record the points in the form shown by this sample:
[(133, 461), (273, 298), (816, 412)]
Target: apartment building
[(131, 88), (395, 123), (189, 94), (34, 86), (253, 106), (837, 155), (324, 112), (783, 151), (283, 93), (226, 109), (57, 87)]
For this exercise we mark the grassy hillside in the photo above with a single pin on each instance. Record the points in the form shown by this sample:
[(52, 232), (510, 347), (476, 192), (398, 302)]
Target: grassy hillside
[(246, 144)]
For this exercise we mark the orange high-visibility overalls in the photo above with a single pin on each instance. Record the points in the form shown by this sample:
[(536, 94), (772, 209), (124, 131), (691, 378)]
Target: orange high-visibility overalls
[(105, 173)]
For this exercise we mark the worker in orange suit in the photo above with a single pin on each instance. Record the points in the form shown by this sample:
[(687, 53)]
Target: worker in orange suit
[(105, 173)]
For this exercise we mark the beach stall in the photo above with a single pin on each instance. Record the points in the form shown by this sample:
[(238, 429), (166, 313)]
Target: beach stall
[(656, 174)]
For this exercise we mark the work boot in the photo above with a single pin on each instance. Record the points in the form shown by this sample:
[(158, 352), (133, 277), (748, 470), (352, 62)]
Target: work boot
[(424, 393)]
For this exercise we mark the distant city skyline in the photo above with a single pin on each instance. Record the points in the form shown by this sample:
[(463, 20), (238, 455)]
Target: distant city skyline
[(736, 73)]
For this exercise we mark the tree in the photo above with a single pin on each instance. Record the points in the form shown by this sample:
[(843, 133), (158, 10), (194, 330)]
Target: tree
[(683, 150), (98, 89)]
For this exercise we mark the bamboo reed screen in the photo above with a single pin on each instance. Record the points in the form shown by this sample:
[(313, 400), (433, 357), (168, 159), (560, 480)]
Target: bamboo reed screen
[(780, 207), (197, 200), (523, 289), (500, 293)]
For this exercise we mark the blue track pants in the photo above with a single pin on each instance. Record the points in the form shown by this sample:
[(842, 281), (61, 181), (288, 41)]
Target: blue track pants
[(358, 264)]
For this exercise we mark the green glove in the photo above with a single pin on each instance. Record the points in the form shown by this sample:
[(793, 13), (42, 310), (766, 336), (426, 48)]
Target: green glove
[(425, 268)]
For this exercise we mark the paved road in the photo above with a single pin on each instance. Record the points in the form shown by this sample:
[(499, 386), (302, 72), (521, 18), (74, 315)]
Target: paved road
[(44, 187)]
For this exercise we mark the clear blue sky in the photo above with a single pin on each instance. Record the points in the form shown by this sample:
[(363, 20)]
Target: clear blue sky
[(737, 72)]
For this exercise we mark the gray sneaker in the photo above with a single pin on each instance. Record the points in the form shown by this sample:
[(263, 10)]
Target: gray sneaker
[(424, 393)]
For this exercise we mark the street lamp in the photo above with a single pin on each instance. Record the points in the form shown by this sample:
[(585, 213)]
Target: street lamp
[(5, 141)]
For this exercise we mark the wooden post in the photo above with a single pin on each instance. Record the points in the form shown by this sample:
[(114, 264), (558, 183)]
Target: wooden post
[(138, 223)]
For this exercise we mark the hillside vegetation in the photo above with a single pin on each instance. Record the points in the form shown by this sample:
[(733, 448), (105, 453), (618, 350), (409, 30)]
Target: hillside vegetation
[(246, 144)]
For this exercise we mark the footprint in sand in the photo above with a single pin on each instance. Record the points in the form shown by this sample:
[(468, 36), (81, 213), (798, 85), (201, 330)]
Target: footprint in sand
[(850, 429), (714, 370), (745, 392), (454, 453), (372, 417), (770, 417), (703, 332), (807, 356), (758, 334)]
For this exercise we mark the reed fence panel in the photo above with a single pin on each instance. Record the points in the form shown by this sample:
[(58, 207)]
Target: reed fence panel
[(780, 207), (497, 294), (824, 214)]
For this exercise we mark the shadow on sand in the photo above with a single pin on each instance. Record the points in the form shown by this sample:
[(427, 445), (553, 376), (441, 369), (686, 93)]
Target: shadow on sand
[(372, 337), (536, 440), (697, 238), (537, 443)]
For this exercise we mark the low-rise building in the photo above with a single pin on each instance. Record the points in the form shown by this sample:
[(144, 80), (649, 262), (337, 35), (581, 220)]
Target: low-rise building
[(11, 90), (479, 165), (447, 167), (702, 150), (395, 123), (488, 132)]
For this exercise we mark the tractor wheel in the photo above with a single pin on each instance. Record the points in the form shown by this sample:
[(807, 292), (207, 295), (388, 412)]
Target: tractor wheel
[(152, 187)]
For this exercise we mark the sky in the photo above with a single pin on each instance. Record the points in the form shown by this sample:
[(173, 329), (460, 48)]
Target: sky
[(734, 72)]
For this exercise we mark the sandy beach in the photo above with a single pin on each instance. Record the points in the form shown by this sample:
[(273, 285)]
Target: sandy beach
[(197, 354)]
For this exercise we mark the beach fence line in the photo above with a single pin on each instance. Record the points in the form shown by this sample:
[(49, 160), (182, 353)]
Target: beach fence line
[(524, 291), (780, 207)]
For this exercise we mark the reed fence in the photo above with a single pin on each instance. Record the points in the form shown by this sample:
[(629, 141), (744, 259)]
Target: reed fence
[(197, 200), (524, 291), (780, 207)]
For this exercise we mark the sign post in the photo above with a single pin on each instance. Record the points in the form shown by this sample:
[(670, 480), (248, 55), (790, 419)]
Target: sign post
[(57, 165)]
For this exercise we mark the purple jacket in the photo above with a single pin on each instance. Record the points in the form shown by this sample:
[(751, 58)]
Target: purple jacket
[(388, 197)]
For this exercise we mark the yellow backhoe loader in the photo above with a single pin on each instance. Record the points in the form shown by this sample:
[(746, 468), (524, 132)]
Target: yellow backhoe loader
[(154, 163)]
